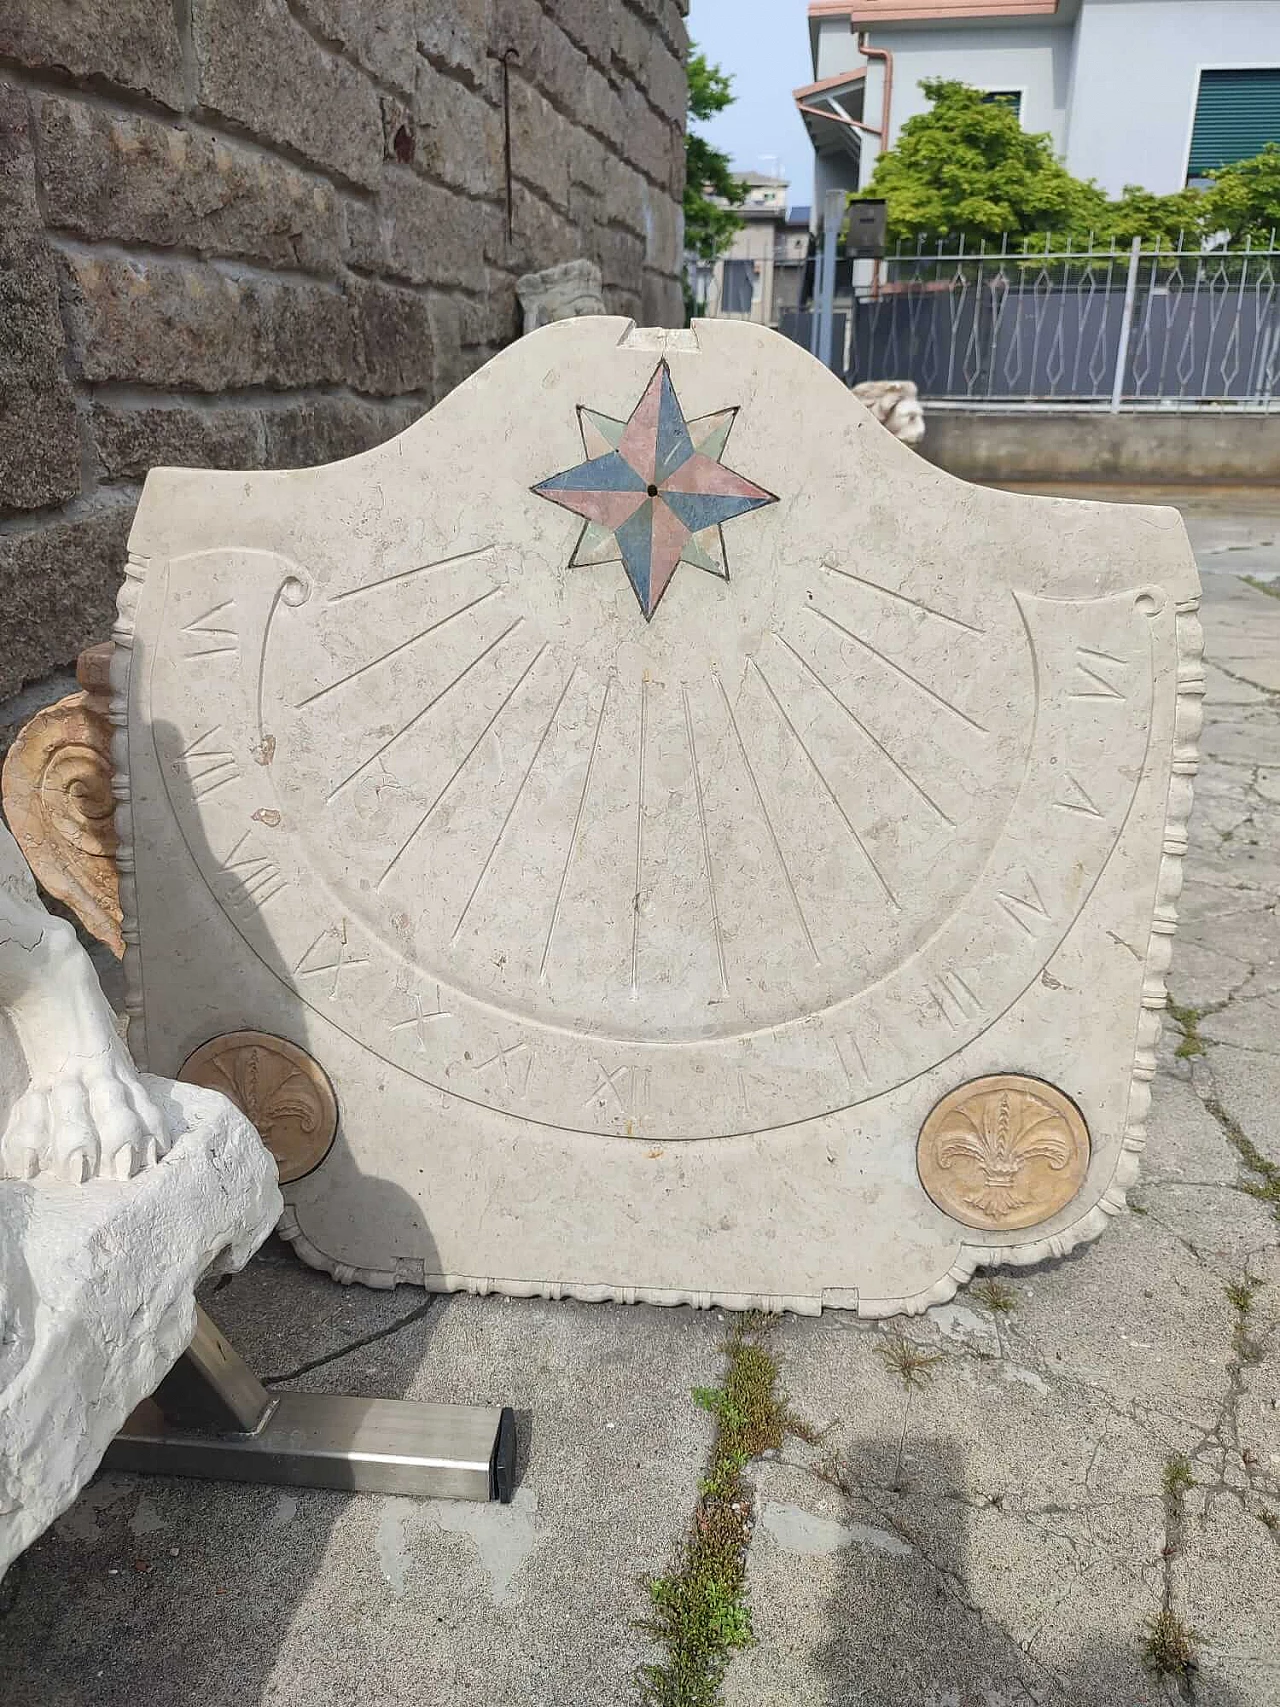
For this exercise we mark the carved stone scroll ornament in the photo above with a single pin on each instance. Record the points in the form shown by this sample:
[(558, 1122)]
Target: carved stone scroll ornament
[(59, 804), (280, 1088), (1003, 1152)]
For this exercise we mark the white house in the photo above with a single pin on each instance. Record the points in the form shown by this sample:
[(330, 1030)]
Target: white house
[(1148, 92)]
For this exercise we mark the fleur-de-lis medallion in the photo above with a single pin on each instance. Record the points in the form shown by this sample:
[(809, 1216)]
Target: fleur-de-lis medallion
[(279, 1088), (1003, 1152)]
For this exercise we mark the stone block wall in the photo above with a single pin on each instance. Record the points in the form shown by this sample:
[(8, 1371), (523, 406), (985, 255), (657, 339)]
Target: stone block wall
[(265, 233)]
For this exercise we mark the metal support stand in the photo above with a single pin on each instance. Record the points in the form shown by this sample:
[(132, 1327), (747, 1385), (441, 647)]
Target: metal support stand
[(211, 1417)]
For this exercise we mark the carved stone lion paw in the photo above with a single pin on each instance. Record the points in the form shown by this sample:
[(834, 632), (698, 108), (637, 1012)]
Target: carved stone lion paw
[(93, 1118)]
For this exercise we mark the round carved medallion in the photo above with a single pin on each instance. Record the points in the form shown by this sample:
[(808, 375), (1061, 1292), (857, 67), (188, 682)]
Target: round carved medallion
[(279, 1087), (1003, 1152)]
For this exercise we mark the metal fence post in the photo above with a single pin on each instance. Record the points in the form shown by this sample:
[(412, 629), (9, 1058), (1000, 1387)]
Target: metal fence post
[(1126, 325), (832, 219)]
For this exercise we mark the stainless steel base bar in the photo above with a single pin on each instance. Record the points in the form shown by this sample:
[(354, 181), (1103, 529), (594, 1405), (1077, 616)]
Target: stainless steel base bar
[(211, 1417)]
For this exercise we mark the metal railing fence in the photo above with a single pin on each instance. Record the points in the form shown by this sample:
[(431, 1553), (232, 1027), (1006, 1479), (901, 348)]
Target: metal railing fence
[(1106, 327)]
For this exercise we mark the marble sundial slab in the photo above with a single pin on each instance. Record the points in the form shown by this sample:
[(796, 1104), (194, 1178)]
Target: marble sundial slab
[(711, 854)]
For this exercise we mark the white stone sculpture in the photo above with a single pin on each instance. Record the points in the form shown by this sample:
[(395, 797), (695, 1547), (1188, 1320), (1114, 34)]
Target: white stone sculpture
[(896, 404), (714, 855), (101, 1244), (563, 292), (82, 1109)]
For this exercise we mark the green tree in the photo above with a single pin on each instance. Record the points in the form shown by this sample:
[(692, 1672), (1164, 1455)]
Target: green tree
[(709, 226), (1244, 200), (1153, 218), (966, 168)]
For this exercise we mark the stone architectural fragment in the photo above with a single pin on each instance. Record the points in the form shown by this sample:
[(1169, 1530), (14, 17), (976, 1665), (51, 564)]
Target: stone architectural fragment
[(560, 293), (648, 791), (117, 1193), (58, 800)]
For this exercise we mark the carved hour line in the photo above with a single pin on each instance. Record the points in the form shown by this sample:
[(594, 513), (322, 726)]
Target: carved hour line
[(464, 761), (419, 715), (902, 598), (1080, 801), (207, 768), (706, 843), (768, 823), (404, 644), (889, 895), (857, 722), (221, 641), (405, 574), (635, 899), (511, 810), (1018, 906), (898, 669), (1100, 687), (577, 825)]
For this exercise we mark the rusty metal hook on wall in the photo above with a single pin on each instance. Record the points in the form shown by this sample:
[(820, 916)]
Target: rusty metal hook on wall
[(504, 59)]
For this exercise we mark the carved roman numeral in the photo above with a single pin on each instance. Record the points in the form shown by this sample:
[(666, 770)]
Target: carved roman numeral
[(1022, 903), (421, 1018), (248, 879), (626, 1088), (213, 635), (1097, 669), (314, 965), (1071, 797), (954, 999), (515, 1063), (205, 765)]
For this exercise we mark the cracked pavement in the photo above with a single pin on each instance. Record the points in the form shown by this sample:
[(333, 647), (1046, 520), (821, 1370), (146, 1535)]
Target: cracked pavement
[(1002, 1532)]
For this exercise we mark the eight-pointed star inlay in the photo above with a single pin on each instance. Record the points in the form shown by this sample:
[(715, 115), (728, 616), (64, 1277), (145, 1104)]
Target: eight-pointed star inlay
[(654, 491)]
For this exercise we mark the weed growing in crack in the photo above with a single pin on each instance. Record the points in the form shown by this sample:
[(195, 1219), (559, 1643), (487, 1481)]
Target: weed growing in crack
[(699, 1613), (1177, 1478), (1265, 1185), (910, 1362), (1270, 588), (1270, 1519), (1240, 1295), (1187, 1021), (1169, 1649), (994, 1295), (913, 1366)]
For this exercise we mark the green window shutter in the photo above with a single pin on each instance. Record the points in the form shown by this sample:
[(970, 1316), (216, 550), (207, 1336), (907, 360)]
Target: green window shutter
[(1237, 112)]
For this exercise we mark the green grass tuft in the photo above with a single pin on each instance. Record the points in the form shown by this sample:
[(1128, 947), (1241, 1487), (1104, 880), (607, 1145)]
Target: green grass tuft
[(1169, 1649), (1177, 1476), (907, 1360), (1265, 1184), (1187, 1021), (994, 1295), (698, 1611)]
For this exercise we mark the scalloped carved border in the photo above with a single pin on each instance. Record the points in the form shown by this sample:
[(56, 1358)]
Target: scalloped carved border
[(135, 572), (1188, 721)]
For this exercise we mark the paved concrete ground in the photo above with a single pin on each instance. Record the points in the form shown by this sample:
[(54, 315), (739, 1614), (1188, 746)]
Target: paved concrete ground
[(1004, 1536)]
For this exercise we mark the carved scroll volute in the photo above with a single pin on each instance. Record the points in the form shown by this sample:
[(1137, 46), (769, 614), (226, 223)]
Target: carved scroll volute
[(59, 805)]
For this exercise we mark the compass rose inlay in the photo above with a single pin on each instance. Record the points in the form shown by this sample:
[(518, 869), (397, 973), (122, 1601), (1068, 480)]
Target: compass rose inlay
[(653, 491)]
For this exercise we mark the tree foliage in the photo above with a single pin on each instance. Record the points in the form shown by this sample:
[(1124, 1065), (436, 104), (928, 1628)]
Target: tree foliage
[(709, 226), (966, 169), (1244, 200)]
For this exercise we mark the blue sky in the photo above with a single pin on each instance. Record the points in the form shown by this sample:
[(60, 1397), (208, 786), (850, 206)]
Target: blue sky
[(764, 46)]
